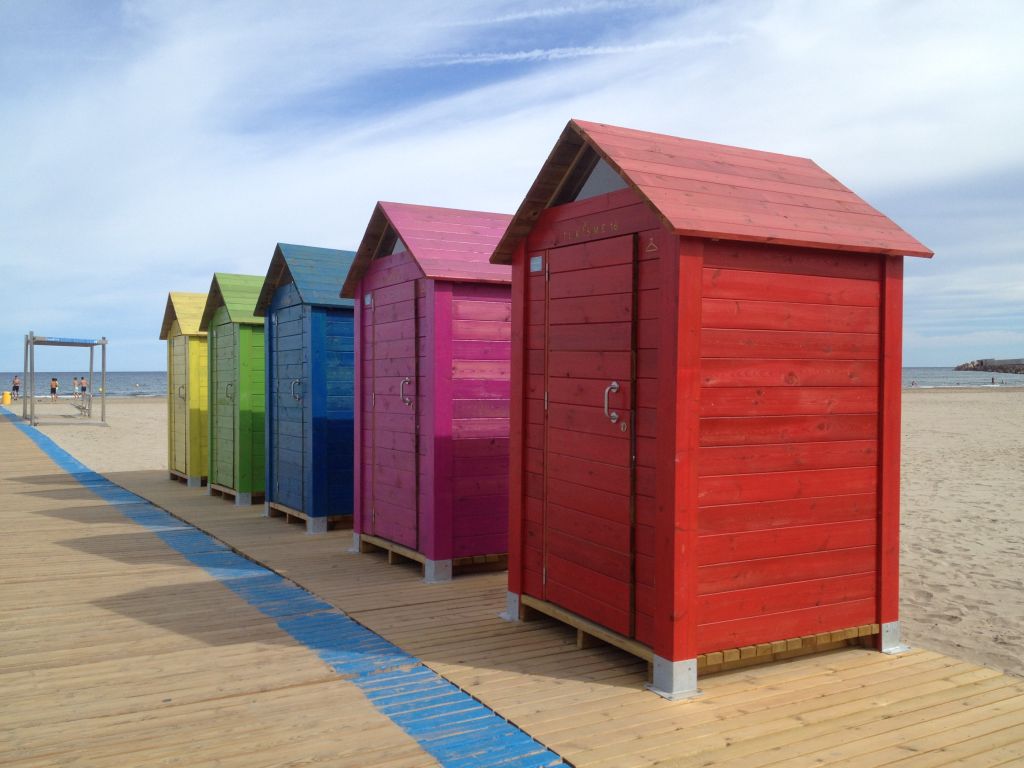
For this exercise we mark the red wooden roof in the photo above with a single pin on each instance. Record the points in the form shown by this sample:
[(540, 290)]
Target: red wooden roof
[(713, 190), (448, 244)]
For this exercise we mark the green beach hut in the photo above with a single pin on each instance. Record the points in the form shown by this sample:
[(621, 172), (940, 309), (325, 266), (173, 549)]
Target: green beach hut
[(187, 430), (236, 386)]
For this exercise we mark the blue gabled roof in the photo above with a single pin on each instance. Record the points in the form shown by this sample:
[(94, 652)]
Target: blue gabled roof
[(318, 274)]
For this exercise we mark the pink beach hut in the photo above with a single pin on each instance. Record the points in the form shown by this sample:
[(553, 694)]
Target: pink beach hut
[(433, 320)]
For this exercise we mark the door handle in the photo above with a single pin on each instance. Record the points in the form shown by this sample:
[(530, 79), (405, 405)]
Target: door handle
[(401, 391), (612, 415), (292, 390), (229, 391), (181, 391)]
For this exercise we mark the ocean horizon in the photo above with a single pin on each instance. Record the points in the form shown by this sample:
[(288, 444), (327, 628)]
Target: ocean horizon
[(154, 383), (118, 383)]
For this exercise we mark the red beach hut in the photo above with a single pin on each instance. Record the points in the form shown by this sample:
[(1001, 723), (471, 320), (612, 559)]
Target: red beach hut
[(432, 388), (705, 402)]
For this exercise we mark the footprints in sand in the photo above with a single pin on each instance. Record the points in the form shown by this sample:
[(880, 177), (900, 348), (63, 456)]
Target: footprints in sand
[(963, 526)]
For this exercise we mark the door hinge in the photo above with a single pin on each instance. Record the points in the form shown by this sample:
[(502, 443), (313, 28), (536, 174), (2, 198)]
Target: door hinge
[(373, 399), (545, 399), (544, 575)]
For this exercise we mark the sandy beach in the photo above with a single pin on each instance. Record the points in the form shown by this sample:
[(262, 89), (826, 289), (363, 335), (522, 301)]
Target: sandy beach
[(963, 509), (135, 436), (963, 524)]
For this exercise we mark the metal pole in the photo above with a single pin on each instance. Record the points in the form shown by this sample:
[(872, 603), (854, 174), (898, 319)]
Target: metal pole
[(103, 381), (32, 374), (24, 381), (88, 390)]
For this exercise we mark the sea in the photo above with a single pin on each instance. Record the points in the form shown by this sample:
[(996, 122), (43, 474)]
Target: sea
[(119, 383), (154, 383), (926, 378)]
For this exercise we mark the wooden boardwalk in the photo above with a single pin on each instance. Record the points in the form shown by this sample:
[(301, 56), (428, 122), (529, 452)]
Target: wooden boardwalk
[(117, 651)]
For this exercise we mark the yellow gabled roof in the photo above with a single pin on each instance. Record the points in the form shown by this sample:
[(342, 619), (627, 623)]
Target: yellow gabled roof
[(187, 309)]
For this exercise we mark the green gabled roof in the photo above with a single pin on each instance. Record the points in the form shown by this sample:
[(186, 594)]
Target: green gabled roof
[(318, 274), (187, 309), (236, 292)]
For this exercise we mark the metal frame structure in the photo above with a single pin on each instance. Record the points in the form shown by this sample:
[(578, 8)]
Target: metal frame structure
[(28, 405)]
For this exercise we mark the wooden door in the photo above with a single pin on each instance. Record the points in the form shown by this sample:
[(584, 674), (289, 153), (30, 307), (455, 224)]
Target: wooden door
[(393, 349), (588, 505), (289, 394), (179, 405), (223, 398)]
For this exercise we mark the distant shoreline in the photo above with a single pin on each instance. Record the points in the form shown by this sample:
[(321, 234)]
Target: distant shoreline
[(964, 388)]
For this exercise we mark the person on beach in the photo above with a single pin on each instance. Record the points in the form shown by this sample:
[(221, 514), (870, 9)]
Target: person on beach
[(53, 388), (15, 387), (85, 386), (74, 389)]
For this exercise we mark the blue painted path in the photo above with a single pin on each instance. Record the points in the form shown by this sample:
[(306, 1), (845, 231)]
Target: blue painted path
[(447, 722)]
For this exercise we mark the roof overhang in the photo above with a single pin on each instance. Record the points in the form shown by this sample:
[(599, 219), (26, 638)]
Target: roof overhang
[(656, 162)]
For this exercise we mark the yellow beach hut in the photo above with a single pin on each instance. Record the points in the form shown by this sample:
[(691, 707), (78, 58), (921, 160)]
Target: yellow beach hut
[(187, 430)]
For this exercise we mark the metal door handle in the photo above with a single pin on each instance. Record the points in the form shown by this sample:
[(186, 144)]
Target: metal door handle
[(229, 390), (613, 387), (292, 390), (401, 391), (181, 391)]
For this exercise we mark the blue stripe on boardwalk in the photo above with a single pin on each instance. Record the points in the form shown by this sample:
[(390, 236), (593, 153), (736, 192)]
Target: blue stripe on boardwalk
[(451, 725)]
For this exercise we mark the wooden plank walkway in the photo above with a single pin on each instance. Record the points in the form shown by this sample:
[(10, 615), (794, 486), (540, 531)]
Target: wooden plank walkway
[(115, 650), (851, 707), (847, 708)]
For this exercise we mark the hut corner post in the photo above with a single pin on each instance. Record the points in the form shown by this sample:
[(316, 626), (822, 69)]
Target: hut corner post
[(270, 423), (357, 418), (890, 640), (516, 435), (674, 673), (211, 448), (438, 541)]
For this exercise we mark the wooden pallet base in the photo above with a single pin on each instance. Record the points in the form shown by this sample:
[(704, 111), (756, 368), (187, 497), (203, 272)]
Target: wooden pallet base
[(762, 653), (399, 553), (589, 634), (190, 481), (313, 524), (238, 497)]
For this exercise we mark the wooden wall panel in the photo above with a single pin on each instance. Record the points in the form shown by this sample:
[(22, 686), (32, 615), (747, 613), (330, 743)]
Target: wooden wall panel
[(648, 318), (389, 466), (481, 332), (789, 453)]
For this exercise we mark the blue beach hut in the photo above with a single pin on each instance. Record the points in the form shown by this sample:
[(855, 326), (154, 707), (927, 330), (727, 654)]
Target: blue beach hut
[(310, 385)]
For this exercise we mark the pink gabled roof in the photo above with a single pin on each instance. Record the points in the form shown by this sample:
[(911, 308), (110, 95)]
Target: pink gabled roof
[(713, 190), (447, 243)]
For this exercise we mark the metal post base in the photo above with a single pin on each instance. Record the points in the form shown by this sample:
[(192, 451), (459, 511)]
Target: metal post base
[(355, 548), (194, 481), (511, 612), (892, 639), (243, 499), (435, 571), (316, 525), (674, 680)]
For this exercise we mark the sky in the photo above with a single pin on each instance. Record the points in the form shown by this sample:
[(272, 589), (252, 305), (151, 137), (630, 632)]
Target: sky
[(146, 144)]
